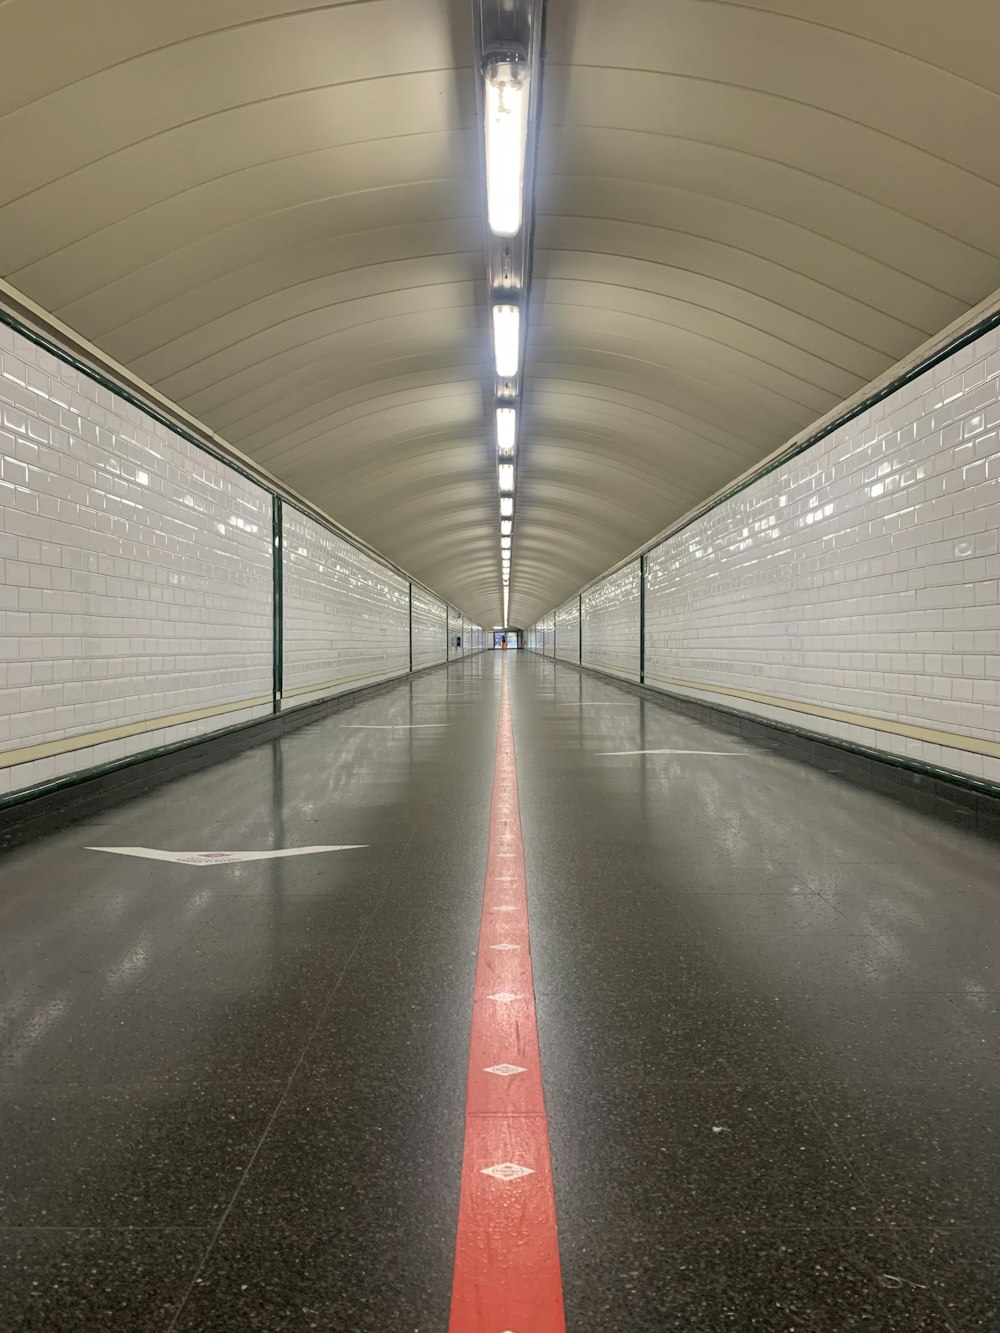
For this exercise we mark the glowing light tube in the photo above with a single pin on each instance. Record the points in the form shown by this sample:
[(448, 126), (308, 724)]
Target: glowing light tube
[(506, 339), (506, 430), (506, 121)]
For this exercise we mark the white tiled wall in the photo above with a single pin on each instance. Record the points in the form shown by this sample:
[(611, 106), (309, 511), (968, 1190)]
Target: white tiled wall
[(430, 630), (346, 616), (861, 575), (135, 573), (568, 630), (547, 628), (454, 632), (611, 623)]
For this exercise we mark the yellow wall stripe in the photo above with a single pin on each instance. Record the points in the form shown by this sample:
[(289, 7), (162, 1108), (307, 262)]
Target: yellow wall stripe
[(340, 680), (67, 744), (951, 739)]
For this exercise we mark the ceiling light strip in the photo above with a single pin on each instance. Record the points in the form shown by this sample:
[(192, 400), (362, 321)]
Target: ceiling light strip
[(509, 39)]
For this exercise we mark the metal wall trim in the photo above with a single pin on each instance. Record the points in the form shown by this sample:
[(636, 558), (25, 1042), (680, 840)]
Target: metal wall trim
[(277, 603)]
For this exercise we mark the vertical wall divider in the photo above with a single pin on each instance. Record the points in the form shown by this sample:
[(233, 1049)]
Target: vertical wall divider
[(277, 603), (579, 622), (74, 764), (642, 619)]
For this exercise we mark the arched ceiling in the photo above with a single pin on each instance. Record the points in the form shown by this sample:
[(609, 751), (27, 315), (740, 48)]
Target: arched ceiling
[(271, 211), (744, 213)]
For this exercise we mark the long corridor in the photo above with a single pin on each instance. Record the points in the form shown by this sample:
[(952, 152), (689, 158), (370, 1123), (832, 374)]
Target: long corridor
[(234, 1091)]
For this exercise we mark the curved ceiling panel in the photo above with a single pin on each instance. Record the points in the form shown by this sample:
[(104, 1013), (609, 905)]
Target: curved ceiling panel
[(744, 213), (271, 211)]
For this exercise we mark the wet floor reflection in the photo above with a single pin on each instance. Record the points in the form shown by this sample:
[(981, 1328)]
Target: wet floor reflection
[(769, 1013)]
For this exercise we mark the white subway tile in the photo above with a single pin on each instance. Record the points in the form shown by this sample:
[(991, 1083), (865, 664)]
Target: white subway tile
[(430, 629), (757, 592), (92, 575)]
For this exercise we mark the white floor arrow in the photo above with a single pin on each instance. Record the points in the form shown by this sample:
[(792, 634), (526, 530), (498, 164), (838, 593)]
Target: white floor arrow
[(221, 858), (608, 754)]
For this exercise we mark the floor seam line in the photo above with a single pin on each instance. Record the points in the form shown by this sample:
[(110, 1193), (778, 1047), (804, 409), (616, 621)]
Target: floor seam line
[(284, 1094)]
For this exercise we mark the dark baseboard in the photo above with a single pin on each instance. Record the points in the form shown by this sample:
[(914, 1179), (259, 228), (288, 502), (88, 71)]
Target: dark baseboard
[(75, 797), (950, 796)]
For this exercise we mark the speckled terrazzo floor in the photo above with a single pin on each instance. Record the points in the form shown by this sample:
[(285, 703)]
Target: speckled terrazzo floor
[(232, 1096)]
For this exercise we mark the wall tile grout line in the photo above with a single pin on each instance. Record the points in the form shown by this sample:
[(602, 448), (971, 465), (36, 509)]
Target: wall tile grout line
[(855, 581), (156, 594)]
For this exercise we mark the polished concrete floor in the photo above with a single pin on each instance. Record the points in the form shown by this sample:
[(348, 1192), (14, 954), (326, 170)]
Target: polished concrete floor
[(231, 1096)]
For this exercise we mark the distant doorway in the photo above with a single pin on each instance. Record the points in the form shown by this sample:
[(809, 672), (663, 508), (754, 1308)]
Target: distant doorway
[(510, 635)]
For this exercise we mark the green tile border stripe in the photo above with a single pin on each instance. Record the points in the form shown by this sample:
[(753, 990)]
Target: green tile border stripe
[(14, 803), (74, 351), (800, 444), (37, 326)]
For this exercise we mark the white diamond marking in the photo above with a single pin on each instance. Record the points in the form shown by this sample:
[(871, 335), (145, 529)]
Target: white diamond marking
[(507, 1171), (505, 947), (504, 996), (505, 1071)]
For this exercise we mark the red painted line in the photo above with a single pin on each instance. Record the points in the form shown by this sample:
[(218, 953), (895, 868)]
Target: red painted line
[(507, 1277)]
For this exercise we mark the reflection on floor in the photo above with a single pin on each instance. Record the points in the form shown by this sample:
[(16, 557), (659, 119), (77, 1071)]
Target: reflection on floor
[(232, 1093)]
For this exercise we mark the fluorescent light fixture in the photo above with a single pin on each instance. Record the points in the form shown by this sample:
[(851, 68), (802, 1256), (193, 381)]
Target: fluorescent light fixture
[(506, 527), (506, 339), (506, 430), (505, 80), (505, 473), (506, 506), (505, 543)]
